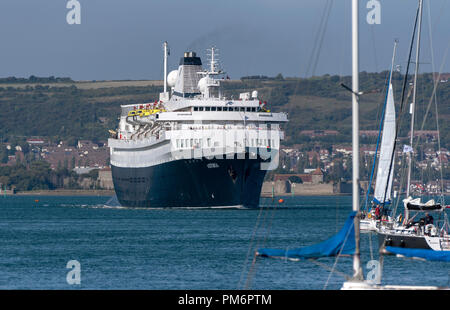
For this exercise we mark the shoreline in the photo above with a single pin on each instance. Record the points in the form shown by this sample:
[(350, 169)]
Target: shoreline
[(66, 192), (106, 193), (304, 194)]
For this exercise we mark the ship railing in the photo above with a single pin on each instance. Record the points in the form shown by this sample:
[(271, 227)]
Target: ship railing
[(206, 127), (153, 138)]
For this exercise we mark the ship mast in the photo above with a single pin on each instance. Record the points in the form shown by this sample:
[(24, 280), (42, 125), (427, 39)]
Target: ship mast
[(357, 271), (166, 52), (213, 61), (413, 104)]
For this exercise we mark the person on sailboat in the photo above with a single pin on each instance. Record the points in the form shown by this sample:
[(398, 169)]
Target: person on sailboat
[(377, 212), (428, 219)]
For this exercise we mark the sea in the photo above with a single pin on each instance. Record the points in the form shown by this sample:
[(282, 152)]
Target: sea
[(144, 249)]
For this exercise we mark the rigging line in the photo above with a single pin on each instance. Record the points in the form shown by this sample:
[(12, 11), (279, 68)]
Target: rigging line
[(402, 180), (337, 210), (372, 140), (433, 96), (439, 152), (321, 39), (378, 142), (403, 172), (250, 273), (319, 31), (401, 104), (436, 103), (372, 32), (250, 248), (252, 269), (436, 83), (339, 254), (441, 10), (253, 246), (393, 149), (298, 82), (402, 98), (343, 43), (343, 274), (370, 246), (269, 227)]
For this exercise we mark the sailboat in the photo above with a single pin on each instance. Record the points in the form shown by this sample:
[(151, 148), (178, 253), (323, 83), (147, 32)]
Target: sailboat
[(357, 282), (424, 233), (379, 213), (347, 240)]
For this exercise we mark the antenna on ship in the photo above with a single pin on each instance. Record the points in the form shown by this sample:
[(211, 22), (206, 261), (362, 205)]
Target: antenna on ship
[(206, 83), (213, 60), (165, 95), (166, 53)]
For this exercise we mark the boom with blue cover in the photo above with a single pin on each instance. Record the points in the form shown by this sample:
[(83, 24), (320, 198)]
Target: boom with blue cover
[(431, 255), (341, 243)]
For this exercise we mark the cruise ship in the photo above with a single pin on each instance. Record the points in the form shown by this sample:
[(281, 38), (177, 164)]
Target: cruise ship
[(194, 148)]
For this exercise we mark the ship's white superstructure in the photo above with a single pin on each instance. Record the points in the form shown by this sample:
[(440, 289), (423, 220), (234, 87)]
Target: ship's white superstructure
[(195, 122)]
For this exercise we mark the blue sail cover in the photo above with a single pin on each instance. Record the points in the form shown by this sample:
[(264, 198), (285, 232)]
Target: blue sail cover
[(431, 255), (344, 240)]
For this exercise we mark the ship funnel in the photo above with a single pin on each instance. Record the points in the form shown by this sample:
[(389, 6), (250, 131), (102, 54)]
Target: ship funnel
[(188, 76), (190, 54)]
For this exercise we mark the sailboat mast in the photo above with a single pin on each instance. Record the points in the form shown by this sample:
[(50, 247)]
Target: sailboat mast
[(357, 271), (392, 62), (413, 104)]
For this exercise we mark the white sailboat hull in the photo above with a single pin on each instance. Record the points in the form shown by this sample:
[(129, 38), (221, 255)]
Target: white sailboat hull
[(368, 225)]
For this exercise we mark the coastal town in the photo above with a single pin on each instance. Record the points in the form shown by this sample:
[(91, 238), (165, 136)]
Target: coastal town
[(327, 170), (312, 168)]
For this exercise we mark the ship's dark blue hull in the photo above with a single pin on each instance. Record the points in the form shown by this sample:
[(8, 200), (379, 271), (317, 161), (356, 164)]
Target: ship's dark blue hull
[(191, 183)]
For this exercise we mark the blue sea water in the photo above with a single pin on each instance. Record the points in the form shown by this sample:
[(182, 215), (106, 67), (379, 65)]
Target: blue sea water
[(124, 248)]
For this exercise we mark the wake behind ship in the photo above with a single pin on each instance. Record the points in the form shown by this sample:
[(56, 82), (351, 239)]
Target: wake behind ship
[(194, 147)]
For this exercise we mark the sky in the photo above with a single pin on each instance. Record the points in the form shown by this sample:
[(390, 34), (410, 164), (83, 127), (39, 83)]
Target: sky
[(122, 39)]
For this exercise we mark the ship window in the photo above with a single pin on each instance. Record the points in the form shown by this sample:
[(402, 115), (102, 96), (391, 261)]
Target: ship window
[(200, 108), (253, 109), (248, 109), (191, 143), (187, 142), (225, 108), (195, 108), (207, 109), (242, 109), (182, 144), (208, 142), (230, 109), (213, 108), (219, 108), (178, 143)]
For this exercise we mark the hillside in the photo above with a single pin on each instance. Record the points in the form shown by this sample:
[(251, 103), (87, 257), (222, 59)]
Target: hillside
[(321, 103), (67, 110)]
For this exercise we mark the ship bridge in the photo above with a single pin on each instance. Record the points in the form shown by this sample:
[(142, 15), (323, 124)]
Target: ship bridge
[(194, 116)]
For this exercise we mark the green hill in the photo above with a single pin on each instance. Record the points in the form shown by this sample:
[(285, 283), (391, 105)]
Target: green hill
[(63, 109)]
